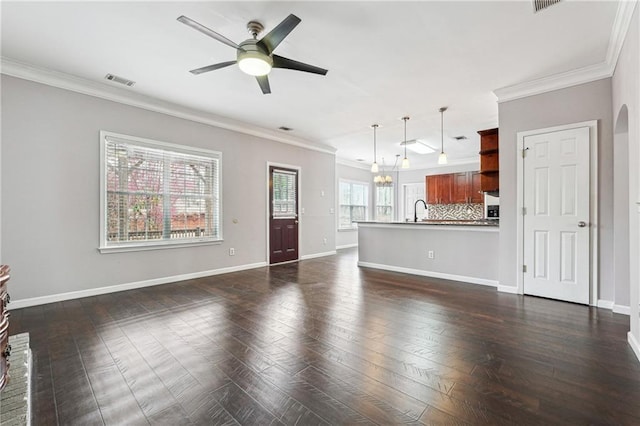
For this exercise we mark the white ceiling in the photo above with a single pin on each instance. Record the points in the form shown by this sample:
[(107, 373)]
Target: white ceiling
[(385, 60)]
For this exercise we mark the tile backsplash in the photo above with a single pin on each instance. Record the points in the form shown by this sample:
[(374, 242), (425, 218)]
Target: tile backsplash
[(456, 211)]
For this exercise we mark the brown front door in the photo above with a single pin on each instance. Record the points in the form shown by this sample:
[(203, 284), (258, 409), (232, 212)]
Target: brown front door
[(283, 214)]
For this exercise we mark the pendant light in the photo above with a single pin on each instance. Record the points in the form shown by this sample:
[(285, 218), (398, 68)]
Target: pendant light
[(442, 159), (405, 160), (374, 166)]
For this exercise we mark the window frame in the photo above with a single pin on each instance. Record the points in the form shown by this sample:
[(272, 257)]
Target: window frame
[(367, 205), (121, 246)]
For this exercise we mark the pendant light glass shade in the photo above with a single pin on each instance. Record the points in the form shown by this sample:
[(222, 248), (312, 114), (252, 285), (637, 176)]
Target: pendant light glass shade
[(442, 158), (374, 166), (405, 160)]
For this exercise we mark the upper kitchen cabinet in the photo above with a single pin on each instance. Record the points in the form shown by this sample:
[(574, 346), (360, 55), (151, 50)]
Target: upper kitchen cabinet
[(439, 189), (465, 188), (489, 161), (475, 183)]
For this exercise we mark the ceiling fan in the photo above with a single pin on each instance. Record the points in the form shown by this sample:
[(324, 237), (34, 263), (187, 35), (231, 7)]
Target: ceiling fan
[(255, 57)]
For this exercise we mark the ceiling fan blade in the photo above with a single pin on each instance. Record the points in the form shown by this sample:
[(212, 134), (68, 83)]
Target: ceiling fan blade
[(207, 31), (281, 62), (212, 67), (263, 81), (276, 35)]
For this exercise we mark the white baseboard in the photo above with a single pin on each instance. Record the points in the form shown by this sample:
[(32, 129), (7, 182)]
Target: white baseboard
[(621, 309), (508, 289), (314, 255), (605, 304), (635, 345), (618, 309), (346, 246), (34, 301), (424, 273)]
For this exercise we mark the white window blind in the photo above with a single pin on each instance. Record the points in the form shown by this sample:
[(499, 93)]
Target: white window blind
[(284, 194), (158, 194), (354, 201)]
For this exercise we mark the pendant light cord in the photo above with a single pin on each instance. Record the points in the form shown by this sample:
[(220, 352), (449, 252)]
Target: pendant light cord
[(442, 110), (441, 131), (405, 136), (375, 155)]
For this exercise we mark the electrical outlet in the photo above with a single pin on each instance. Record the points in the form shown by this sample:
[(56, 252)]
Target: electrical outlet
[(430, 254), (324, 241), (232, 252)]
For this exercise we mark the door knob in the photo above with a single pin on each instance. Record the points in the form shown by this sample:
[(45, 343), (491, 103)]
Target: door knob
[(295, 221), (582, 224)]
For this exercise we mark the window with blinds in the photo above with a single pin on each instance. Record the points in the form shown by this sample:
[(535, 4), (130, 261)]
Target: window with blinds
[(284, 194), (158, 194), (353, 203)]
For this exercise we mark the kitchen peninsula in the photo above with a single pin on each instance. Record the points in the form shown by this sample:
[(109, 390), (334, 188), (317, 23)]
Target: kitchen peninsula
[(460, 250)]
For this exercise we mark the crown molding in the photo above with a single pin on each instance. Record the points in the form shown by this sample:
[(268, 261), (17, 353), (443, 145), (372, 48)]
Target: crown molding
[(72, 83), (554, 82), (619, 31), (581, 75)]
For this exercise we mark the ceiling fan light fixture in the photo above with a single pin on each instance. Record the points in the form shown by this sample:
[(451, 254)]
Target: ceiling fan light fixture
[(255, 63)]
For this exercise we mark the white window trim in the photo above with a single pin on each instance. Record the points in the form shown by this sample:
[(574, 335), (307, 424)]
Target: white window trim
[(152, 245), (354, 226)]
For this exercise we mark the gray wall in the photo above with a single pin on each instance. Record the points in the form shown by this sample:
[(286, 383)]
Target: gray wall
[(350, 237), (50, 192), (591, 101), (626, 93)]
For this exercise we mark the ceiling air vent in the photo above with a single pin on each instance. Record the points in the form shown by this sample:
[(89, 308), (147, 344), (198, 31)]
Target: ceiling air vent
[(538, 5), (460, 138), (120, 80)]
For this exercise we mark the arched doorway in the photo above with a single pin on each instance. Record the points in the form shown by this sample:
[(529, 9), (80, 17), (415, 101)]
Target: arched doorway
[(621, 200)]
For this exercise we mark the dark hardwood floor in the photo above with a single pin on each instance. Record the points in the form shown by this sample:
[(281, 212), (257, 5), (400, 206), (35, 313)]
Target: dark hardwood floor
[(325, 342)]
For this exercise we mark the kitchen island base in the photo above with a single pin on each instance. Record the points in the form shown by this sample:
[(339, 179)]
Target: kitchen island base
[(464, 252)]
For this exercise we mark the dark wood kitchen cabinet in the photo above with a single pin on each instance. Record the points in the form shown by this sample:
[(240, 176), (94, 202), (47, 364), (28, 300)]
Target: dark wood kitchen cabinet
[(475, 182), (489, 161), (454, 188), (466, 188), (439, 189)]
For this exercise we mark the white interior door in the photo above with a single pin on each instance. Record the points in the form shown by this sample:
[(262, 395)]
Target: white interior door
[(411, 192), (556, 220)]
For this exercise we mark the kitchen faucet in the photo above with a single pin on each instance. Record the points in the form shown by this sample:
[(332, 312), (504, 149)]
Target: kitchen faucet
[(415, 209)]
